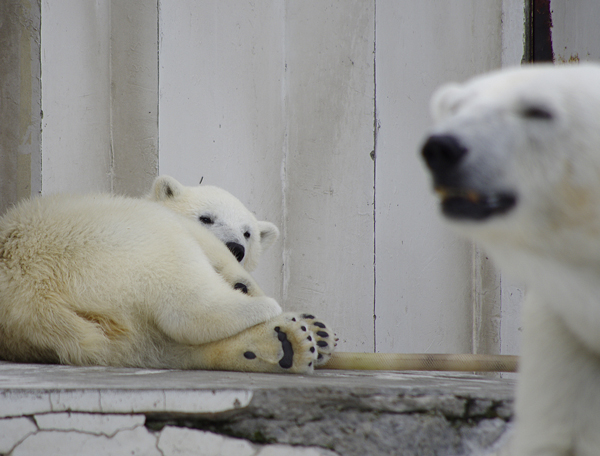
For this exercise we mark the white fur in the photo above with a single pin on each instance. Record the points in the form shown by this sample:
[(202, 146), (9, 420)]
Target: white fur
[(108, 280), (550, 239)]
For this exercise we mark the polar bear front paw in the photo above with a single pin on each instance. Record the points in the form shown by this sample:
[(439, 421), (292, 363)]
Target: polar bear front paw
[(290, 342)]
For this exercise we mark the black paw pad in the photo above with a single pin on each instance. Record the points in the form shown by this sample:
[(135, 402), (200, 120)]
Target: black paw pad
[(322, 334), (242, 287), (249, 355), (322, 343), (319, 324), (308, 316), (287, 360)]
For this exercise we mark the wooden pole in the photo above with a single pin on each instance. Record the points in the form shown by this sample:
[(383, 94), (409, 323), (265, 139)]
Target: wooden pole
[(422, 362)]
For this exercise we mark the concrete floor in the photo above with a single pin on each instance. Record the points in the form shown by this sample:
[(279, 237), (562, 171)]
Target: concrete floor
[(330, 412)]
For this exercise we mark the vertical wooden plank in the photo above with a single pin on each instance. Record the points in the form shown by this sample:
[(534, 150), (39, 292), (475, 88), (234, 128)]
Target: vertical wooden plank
[(328, 168), (76, 96), (487, 304), (134, 95), (516, 49), (513, 293), (221, 105), (20, 118), (515, 32), (424, 280)]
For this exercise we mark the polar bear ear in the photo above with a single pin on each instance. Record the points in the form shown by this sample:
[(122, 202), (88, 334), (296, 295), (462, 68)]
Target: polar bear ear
[(268, 234), (446, 100), (164, 188)]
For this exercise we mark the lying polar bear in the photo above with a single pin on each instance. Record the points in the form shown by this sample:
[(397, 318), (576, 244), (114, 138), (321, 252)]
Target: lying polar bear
[(108, 280), (515, 159)]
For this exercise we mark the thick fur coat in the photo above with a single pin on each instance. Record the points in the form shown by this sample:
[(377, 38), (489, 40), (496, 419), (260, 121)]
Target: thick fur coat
[(515, 158)]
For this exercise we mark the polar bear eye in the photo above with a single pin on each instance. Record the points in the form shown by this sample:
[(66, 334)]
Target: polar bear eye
[(206, 220), (247, 234), (537, 112)]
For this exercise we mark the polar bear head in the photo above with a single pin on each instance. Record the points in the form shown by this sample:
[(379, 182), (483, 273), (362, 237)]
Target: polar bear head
[(222, 214), (515, 156)]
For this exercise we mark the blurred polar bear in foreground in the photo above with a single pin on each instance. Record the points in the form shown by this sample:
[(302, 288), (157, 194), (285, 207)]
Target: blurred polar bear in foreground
[(515, 158), (109, 280)]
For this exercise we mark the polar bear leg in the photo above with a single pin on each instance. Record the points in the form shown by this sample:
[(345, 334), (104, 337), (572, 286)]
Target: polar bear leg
[(288, 343), (558, 396), (208, 309)]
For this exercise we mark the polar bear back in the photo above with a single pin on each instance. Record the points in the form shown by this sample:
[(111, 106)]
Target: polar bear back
[(60, 231)]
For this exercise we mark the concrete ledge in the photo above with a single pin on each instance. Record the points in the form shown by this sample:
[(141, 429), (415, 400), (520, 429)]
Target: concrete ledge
[(61, 409)]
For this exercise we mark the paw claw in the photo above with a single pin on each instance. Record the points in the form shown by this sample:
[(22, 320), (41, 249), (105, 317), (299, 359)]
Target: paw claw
[(325, 339)]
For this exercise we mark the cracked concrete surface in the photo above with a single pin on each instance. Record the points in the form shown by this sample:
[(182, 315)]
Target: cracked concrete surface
[(95, 434), (49, 409)]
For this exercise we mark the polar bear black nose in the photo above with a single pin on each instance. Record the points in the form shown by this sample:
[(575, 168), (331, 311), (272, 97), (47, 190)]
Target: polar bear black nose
[(238, 250), (442, 152)]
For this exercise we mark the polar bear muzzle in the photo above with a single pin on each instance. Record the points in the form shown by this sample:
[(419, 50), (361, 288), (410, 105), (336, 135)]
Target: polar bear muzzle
[(460, 199)]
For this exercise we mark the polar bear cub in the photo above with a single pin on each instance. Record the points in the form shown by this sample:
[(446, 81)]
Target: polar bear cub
[(109, 280), (222, 213), (515, 158)]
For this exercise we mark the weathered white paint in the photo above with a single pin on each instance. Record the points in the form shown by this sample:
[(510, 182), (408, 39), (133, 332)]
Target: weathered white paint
[(575, 31), (75, 96), (423, 292), (282, 117), (100, 95), (221, 111)]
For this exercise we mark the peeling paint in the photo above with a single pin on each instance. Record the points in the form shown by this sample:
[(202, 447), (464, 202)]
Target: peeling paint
[(572, 59)]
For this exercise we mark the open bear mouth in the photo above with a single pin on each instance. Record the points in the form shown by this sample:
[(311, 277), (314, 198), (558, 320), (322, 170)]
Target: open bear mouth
[(473, 205)]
